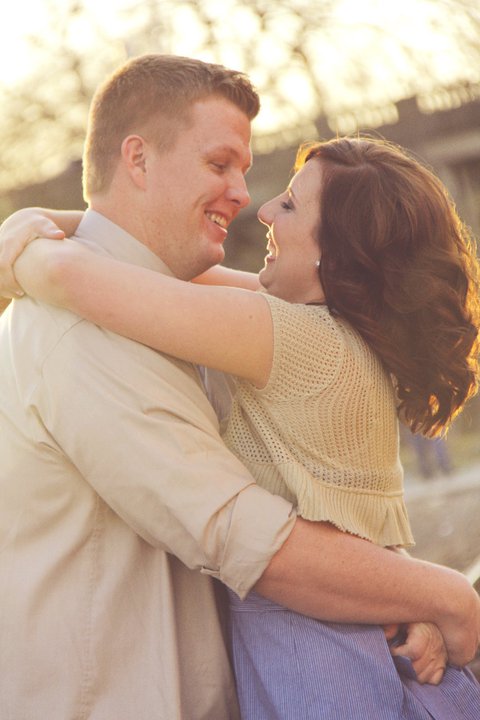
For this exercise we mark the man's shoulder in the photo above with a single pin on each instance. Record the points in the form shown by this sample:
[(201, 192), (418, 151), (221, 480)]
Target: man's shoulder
[(47, 349), (54, 335), (28, 321)]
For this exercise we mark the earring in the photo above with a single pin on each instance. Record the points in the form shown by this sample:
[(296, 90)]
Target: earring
[(317, 264)]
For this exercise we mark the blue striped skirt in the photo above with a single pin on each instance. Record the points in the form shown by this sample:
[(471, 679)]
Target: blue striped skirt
[(292, 667)]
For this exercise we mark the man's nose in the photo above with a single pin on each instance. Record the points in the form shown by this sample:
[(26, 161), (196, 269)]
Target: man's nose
[(238, 193)]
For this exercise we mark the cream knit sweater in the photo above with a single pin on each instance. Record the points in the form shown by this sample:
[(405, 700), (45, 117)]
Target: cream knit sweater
[(323, 433)]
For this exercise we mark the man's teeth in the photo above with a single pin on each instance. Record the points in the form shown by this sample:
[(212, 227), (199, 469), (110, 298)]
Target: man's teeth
[(217, 219)]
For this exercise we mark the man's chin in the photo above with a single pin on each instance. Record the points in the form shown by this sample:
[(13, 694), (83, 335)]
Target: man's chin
[(204, 264), (215, 256)]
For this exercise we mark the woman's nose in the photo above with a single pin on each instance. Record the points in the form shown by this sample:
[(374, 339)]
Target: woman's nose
[(264, 213)]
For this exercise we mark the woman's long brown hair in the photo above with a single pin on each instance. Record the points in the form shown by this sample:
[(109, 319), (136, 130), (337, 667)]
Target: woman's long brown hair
[(400, 266)]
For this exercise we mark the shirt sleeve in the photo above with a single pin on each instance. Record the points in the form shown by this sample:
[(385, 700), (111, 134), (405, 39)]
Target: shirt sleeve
[(140, 431)]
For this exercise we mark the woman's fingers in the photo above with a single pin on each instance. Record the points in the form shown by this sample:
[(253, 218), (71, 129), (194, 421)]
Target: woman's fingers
[(16, 233)]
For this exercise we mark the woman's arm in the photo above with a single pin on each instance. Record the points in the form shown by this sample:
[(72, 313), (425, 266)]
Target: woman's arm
[(22, 227), (219, 275), (229, 329)]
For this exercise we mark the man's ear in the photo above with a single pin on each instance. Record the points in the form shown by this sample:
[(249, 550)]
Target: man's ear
[(133, 152)]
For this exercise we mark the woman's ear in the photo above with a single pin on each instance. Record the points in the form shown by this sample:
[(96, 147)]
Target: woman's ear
[(133, 151)]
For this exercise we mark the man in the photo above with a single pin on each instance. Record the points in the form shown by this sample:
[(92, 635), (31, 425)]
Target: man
[(119, 501)]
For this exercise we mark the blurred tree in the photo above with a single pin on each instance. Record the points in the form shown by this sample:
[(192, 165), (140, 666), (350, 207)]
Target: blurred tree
[(312, 60)]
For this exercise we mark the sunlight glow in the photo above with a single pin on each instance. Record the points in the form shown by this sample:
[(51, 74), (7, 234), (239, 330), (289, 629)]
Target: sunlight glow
[(25, 19), (396, 31), (28, 19)]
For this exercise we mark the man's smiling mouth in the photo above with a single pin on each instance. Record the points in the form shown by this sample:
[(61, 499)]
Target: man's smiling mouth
[(217, 219)]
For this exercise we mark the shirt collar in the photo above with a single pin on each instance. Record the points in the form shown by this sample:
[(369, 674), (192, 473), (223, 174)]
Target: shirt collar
[(100, 233)]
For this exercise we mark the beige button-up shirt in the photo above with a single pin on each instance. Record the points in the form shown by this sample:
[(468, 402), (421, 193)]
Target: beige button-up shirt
[(119, 504)]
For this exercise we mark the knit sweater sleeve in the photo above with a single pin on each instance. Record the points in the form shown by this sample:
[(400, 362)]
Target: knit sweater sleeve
[(307, 351)]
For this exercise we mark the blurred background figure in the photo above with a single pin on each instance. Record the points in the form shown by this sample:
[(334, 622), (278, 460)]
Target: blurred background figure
[(432, 456)]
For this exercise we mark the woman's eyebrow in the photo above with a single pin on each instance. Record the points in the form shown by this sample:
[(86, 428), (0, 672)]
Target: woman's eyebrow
[(291, 193)]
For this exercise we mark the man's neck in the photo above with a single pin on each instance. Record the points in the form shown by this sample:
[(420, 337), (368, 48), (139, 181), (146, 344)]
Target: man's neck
[(122, 215)]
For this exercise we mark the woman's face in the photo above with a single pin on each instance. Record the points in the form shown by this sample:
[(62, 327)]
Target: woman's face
[(291, 270)]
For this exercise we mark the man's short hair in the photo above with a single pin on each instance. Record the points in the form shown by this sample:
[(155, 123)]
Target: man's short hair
[(143, 89)]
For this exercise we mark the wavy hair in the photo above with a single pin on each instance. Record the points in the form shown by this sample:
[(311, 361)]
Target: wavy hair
[(401, 267)]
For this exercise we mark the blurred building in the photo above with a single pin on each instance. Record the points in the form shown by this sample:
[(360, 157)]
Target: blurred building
[(63, 191)]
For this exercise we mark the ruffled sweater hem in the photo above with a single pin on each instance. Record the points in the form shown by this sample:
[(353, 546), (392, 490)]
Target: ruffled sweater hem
[(379, 517)]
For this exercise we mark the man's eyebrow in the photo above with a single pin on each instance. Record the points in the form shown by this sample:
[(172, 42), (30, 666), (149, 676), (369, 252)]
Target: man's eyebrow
[(232, 152)]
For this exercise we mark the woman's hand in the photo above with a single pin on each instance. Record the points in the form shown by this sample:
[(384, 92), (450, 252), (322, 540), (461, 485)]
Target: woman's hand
[(15, 233), (423, 644)]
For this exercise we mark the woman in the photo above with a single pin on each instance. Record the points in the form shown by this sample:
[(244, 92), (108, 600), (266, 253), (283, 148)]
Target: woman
[(369, 308)]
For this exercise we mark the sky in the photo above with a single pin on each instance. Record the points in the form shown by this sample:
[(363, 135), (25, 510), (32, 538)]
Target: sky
[(25, 19), (21, 18)]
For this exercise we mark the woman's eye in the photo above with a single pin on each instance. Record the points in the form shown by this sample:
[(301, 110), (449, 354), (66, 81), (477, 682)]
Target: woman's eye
[(219, 166), (285, 205)]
